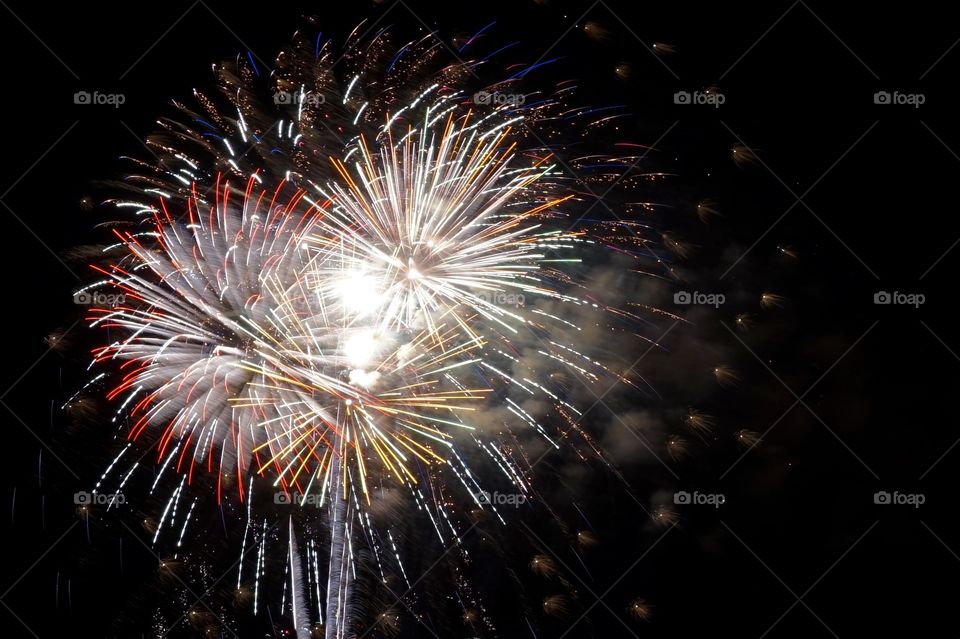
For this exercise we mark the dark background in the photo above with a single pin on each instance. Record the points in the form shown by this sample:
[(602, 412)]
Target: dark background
[(800, 548)]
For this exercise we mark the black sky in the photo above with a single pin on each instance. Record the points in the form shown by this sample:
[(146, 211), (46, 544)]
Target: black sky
[(858, 397)]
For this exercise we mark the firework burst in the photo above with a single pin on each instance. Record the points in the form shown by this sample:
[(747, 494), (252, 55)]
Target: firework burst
[(374, 281)]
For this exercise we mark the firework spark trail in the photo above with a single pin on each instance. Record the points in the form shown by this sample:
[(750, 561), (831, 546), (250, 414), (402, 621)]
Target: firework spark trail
[(297, 592), (338, 575), (338, 320)]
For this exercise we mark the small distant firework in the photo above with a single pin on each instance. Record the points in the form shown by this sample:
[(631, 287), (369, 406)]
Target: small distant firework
[(57, 340), (83, 408), (586, 539), (681, 248), (665, 516), (725, 376), (168, 570), (663, 48), (640, 609), (203, 622), (388, 622), (595, 31), (772, 300), (698, 421), (743, 322), (677, 447), (543, 565), (788, 251), (742, 155), (242, 597), (149, 525), (556, 606), (707, 209), (747, 438)]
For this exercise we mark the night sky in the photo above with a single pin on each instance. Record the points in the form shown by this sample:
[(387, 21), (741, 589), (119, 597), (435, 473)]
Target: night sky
[(852, 397)]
